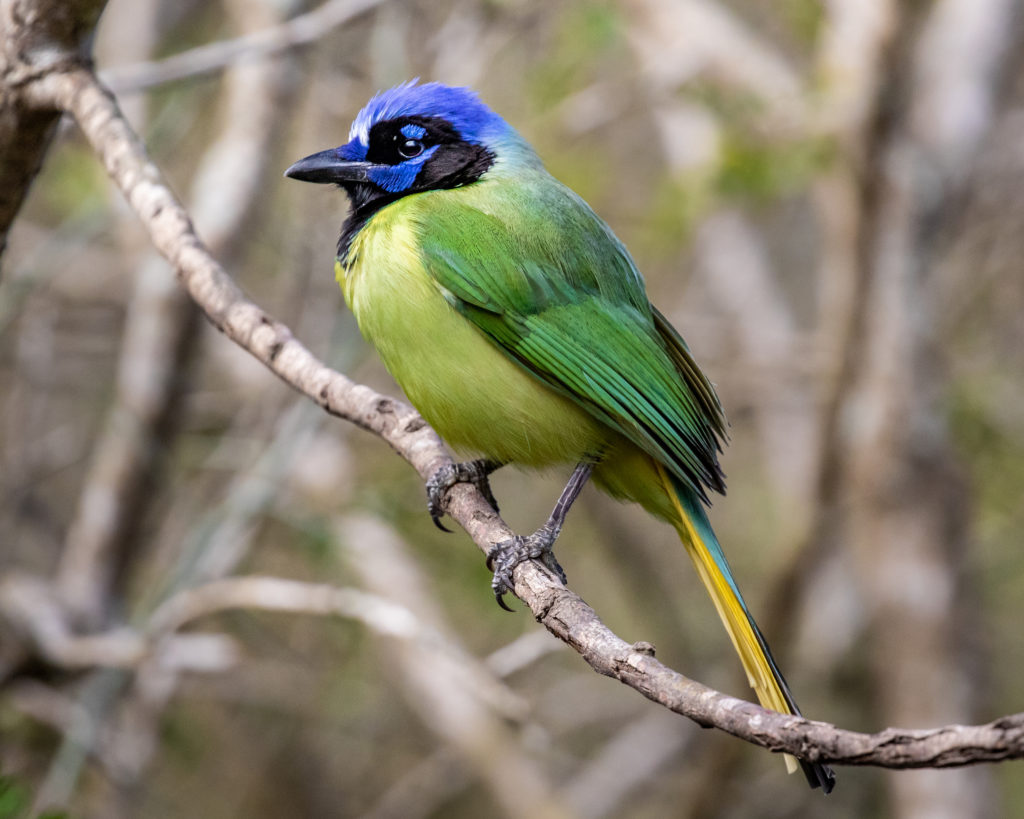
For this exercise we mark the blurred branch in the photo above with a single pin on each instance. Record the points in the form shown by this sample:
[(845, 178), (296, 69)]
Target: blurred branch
[(736, 269), (683, 41), (439, 777), (280, 595), (423, 789), (160, 335), (159, 654), (29, 604), (32, 608), (217, 541), (461, 702), (630, 758), (560, 610), (301, 30), (521, 653), (114, 492)]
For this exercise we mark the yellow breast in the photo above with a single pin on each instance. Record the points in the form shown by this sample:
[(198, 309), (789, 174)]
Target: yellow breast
[(475, 396)]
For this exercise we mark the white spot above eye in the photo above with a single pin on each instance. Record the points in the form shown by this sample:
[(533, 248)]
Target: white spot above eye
[(360, 131)]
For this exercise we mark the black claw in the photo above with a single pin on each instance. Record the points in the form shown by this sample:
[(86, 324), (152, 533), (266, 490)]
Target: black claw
[(499, 561), (437, 486), (474, 472), (503, 558)]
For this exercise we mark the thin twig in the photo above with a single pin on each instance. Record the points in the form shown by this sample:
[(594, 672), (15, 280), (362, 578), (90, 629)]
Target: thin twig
[(301, 30)]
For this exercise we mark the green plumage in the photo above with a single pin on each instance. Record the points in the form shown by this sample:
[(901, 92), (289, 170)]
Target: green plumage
[(541, 278)]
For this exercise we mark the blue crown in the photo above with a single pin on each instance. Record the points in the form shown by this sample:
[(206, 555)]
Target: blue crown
[(474, 121)]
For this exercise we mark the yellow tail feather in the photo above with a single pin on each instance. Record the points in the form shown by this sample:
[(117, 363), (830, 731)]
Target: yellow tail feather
[(734, 616)]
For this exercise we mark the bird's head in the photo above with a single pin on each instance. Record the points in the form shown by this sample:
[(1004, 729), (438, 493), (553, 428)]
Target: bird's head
[(409, 139)]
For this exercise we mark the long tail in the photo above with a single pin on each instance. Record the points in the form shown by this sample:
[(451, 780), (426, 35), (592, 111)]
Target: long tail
[(764, 675)]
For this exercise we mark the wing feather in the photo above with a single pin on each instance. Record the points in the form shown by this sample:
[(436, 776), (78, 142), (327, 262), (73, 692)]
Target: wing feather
[(570, 308)]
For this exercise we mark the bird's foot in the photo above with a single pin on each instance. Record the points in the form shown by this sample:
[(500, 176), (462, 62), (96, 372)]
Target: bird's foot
[(503, 558), (474, 472)]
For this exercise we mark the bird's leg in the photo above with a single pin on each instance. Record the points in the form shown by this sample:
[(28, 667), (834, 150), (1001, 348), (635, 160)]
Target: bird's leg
[(505, 556), (474, 472)]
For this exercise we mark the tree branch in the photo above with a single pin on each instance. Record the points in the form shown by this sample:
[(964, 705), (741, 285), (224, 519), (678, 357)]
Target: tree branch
[(29, 28), (300, 30), (560, 610)]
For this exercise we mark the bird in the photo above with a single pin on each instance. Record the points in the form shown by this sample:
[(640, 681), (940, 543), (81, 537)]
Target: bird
[(518, 325)]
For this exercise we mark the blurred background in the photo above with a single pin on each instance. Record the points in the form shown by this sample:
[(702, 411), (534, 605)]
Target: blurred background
[(826, 198)]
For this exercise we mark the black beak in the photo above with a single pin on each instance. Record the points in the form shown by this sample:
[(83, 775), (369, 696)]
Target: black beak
[(325, 167)]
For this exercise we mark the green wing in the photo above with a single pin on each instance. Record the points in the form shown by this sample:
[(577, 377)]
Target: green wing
[(556, 291)]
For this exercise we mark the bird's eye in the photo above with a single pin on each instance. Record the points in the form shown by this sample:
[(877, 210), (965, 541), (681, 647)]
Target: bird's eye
[(410, 148)]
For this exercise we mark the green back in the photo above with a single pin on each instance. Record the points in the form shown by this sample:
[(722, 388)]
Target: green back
[(531, 265)]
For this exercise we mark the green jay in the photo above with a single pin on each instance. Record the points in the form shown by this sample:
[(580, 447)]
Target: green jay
[(518, 325)]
